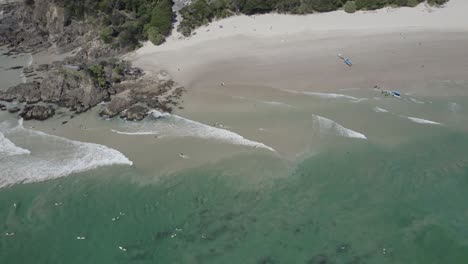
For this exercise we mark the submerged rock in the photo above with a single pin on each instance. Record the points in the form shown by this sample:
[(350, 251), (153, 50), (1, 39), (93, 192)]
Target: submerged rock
[(37, 112)]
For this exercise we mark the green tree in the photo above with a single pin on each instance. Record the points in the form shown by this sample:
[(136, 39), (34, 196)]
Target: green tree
[(350, 7)]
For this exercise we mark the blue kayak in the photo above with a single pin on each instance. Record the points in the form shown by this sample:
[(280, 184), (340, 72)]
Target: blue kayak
[(348, 62)]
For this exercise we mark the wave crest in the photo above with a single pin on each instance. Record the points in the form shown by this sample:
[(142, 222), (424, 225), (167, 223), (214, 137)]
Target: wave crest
[(326, 125), (176, 126)]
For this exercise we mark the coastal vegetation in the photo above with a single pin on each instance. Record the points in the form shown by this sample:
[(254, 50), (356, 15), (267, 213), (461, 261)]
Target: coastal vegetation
[(123, 23), (201, 12)]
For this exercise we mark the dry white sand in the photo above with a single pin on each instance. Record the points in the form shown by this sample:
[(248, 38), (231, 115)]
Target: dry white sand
[(450, 17)]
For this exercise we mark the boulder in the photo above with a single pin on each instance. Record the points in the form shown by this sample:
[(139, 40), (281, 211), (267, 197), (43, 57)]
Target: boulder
[(136, 113), (116, 106), (14, 110), (42, 67), (3, 107), (37, 112)]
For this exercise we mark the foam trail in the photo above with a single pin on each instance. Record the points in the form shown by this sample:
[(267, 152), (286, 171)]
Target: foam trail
[(274, 103), (55, 157), (9, 148), (422, 121), (326, 125), (170, 125), (323, 95), (360, 100), (416, 101), (380, 110)]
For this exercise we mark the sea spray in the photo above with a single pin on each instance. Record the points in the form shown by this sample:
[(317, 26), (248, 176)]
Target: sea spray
[(326, 126), (169, 125)]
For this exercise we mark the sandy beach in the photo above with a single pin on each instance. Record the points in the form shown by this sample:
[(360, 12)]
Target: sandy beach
[(403, 48)]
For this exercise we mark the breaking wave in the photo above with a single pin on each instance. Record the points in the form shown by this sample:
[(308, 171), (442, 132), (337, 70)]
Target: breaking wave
[(422, 121), (54, 157), (9, 148), (168, 125), (326, 125)]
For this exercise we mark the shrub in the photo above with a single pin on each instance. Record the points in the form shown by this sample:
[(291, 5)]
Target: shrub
[(412, 3), (107, 34), (97, 73), (155, 37), (350, 7)]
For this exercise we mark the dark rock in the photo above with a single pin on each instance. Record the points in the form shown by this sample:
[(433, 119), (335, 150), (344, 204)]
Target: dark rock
[(37, 112), (116, 106), (3, 107), (15, 68), (28, 70), (72, 89), (14, 110), (64, 122), (24, 92), (42, 67), (136, 113)]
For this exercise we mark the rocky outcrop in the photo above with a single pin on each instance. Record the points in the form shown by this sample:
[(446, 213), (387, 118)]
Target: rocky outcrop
[(135, 98), (83, 80), (79, 87), (71, 89), (37, 112), (25, 92)]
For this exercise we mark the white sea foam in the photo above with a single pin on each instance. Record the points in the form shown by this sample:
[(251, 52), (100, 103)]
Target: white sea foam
[(422, 121), (326, 125), (9, 148), (169, 125), (323, 95), (53, 157), (380, 110), (416, 101), (359, 100)]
